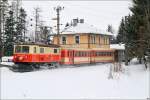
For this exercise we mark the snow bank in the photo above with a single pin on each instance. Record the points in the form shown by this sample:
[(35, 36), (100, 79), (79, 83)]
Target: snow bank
[(89, 82), (118, 46), (7, 59)]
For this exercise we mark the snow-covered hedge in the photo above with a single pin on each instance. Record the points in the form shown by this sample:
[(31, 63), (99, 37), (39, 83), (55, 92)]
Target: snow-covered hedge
[(7, 59)]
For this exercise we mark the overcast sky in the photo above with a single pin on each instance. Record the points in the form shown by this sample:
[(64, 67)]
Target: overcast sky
[(96, 13)]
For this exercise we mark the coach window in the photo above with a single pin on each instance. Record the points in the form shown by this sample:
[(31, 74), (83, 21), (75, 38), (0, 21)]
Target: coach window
[(85, 54), (63, 40), (34, 49), (97, 53), (25, 49), (77, 39), (110, 54), (41, 50), (104, 40), (79, 53)]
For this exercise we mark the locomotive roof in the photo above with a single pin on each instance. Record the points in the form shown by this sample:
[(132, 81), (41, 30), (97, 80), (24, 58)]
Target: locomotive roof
[(38, 44)]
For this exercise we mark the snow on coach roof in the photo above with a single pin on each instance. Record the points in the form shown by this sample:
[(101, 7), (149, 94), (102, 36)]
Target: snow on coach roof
[(117, 46), (84, 28)]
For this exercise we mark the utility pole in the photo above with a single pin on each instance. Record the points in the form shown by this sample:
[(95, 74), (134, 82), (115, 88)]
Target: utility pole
[(18, 3), (58, 9), (37, 10), (0, 29)]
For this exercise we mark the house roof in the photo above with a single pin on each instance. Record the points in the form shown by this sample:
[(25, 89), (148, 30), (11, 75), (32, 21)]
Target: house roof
[(84, 28)]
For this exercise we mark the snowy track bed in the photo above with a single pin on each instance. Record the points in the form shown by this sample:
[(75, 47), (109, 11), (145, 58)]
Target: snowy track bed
[(89, 82)]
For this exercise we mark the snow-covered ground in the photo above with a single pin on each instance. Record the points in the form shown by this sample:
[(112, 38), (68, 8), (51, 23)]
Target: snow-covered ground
[(86, 82), (7, 60)]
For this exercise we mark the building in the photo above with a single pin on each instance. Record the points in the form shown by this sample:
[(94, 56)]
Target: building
[(119, 52), (82, 35)]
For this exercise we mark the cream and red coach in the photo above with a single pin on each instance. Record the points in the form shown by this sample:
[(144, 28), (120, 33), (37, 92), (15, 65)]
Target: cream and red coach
[(86, 56), (36, 54)]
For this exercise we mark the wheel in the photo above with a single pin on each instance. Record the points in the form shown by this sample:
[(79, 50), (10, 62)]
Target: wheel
[(36, 66), (57, 65)]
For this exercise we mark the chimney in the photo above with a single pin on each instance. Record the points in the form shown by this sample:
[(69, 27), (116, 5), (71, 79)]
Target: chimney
[(81, 20), (75, 22)]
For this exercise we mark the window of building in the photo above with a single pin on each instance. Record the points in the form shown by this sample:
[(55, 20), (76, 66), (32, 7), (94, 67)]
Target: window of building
[(104, 40), (77, 39), (99, 40), (63, 40), (41, 50), (93, 39)]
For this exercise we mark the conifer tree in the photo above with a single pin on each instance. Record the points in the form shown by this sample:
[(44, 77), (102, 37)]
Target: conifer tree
[(141, 12), (21, 26), (121, 32), (110, 29), (9, 35)]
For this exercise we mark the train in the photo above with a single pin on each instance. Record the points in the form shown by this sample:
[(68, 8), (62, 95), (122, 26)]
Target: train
[(32, 56)]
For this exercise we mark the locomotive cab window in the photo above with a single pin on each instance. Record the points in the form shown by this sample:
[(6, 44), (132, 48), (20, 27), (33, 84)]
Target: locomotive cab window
[(34, 49), (55, 50), (18, 49), (25, 49), (41, 50)]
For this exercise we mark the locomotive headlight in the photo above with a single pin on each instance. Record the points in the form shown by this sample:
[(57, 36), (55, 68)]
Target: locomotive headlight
[(20, 58)]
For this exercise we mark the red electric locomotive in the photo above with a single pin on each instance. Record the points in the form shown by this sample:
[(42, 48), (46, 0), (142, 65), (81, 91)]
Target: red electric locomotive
[(34, 55)]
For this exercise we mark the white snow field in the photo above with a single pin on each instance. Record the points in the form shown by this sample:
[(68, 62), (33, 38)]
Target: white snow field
[(86, 82)]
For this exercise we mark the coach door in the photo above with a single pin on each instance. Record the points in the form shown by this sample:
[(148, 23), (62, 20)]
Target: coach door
[(92, 57), (71, 56)]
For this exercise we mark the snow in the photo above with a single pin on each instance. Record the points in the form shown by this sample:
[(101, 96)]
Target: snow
[(84, 28), (7, 60), (118, 46), (85, 82)]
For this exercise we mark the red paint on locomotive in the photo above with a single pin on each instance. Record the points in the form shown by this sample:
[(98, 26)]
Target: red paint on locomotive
[(36, 58)]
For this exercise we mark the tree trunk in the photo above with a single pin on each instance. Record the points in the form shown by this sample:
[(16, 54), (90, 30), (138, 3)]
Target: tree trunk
[(140, 61), (145, 62)]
